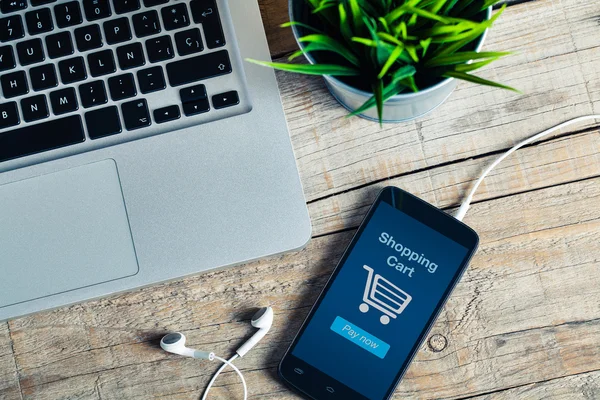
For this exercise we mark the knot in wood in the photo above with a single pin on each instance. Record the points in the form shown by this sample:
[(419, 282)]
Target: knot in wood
[(438, 342)]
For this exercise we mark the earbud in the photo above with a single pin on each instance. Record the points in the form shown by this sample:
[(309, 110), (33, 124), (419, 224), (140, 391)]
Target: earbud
[(175, 343), (262, 319)]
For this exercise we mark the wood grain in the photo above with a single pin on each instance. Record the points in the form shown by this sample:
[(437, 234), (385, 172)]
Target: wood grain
[(522, 314), (581, 386), (564, 159), (9, 383)]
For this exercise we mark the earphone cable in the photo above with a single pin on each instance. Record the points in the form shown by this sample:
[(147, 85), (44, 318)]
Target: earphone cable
[(466, 203), (216, 374)]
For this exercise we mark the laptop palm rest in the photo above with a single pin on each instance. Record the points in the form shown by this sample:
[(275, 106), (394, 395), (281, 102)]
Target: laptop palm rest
[(63, 231)]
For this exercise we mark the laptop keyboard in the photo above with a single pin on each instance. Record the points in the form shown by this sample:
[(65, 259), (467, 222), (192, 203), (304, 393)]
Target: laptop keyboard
[(94, 73)]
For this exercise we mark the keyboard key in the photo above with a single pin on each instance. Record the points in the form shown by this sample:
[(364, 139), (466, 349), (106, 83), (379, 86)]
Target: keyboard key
[(11, 28), (166, 114), (103, 122), (175, 16), (34, 108), (194, 99), (135, 114), (88, 37), (151, 79), (72, 70), (200, 67), (196, 107), (68, 14), (206, 13), (14, 84), (152, 3), (146, 23), (117, 30), (226, 99), (92, 94), (64, 101), (41, 137), (39, 21), (7, 58), (101, 63), (96, 9), (159, 49), (130, 56), (9, 115), (121, 87), (36, 3), (125, 6), (43, 77), (30, 51), (192, 93), (59, 45), (189, 42), (8, 6)]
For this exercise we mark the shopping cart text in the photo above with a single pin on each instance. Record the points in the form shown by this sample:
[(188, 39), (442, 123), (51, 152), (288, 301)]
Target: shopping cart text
[(403, 251)]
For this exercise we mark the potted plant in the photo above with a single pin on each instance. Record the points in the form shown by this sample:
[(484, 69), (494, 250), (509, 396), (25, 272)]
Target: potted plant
[(391, 60)]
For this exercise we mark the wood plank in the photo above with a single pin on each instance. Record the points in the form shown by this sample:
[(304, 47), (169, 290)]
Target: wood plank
[(585, 386), (522, 314), (554, 65), (9, 383), (564, 159), (274, 13)]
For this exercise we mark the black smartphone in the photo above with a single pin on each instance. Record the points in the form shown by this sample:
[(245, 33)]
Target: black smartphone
[(380, 302)]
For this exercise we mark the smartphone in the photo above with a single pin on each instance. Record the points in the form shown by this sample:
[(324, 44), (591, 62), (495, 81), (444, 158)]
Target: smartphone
[(380, 302)]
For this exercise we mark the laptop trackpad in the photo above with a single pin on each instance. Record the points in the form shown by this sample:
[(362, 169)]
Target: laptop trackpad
[(63, 231)]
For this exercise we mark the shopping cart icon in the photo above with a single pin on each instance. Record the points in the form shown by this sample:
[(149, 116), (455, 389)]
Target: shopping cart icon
[(384, 296)]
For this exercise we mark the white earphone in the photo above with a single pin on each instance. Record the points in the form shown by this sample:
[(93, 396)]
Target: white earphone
[(175, 343)]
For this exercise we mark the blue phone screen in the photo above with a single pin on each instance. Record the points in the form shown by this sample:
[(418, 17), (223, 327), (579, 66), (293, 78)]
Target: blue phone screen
[(380, 302)]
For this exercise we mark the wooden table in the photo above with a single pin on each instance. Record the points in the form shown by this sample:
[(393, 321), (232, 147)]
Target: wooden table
[(523, 323)]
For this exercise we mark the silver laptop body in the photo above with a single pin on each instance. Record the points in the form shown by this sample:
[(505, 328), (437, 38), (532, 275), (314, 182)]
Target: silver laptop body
[(155, 203)]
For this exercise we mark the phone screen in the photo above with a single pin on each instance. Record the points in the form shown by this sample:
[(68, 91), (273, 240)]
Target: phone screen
[(382, 299)]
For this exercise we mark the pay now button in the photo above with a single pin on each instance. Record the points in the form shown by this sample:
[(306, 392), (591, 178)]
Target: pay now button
[(360, 337)]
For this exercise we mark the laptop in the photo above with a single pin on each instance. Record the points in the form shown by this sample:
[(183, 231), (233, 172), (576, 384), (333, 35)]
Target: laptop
[(136, 147)]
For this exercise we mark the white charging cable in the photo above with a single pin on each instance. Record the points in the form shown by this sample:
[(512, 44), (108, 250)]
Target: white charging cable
[(466, 203), (226, 363)]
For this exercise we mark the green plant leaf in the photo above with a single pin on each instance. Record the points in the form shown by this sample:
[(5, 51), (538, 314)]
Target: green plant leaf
[(461, 6), (449, 6), (378, 93), (425, 45), (477, 32), (344, 25), (324, 5), (426, 14), (295, 23), (324, 42), (389, 91), (437, 6), (473, 66), (463, 57), (390, 61), (365, 41), (410, 83), (357, 15), (488, 4), (412, 52), (384, 24), (475, 79), (402, 73), (310, 69)]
